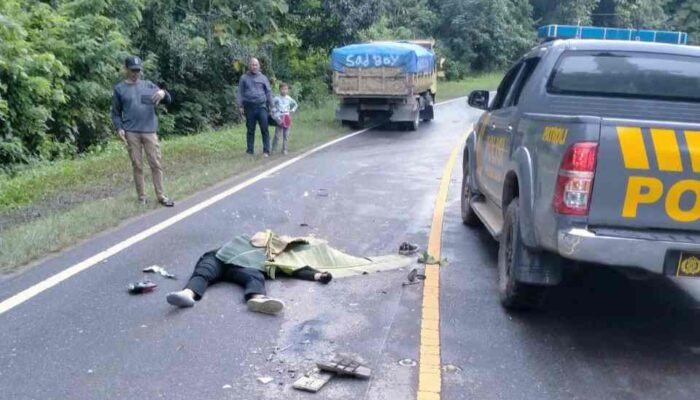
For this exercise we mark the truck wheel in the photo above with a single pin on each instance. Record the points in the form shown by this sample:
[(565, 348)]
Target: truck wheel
[(514, 295), (469, 217)]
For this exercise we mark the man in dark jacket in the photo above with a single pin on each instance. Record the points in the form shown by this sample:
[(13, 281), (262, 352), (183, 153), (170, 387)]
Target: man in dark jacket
[(134, 104), (254, 101)]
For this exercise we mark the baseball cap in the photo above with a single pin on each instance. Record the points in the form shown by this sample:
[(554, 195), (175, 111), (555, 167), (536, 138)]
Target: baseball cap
[(133, 63)]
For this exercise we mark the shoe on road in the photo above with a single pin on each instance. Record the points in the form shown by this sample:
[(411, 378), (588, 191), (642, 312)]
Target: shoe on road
[(265, 305), (407, 248), (180, 299)]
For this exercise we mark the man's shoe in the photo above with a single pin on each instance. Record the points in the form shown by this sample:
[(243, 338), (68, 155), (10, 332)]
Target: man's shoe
[(249, 152), (166, 202), (265, 305), (266, 154), (180, 299), (142, 201)]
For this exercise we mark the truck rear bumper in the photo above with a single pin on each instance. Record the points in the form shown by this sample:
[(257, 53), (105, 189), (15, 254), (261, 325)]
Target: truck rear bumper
[(632, 252)]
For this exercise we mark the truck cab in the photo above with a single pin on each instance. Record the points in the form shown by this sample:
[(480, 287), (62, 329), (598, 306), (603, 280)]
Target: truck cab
[(589, 154)]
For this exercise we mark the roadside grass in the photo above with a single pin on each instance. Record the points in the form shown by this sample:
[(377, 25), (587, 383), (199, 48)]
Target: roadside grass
[(452, 89), (190, 163)]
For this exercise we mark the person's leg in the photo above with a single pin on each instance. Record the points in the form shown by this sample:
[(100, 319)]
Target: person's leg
[(151, 146), (135, 148), (253, 282), (207, 271), (285, 139), (250, 119), (264, 129), (275, 140), (310, 274)]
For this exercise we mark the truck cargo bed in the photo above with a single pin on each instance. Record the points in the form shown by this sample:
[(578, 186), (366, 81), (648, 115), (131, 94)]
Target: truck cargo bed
[(382, 81)]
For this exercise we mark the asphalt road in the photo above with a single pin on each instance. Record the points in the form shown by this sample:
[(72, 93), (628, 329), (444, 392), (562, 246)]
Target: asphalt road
[(600, 336)]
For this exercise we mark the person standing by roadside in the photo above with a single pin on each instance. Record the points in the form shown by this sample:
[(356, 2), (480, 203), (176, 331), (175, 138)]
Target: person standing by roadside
[(134, 104), (283, 107), (254, 100)]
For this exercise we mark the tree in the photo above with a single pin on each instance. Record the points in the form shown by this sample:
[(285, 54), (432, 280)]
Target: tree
[(573, 12), (686, 17), (484, 34)]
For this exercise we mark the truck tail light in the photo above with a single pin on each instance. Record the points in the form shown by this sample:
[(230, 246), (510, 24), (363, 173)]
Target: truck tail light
[(572, 194)]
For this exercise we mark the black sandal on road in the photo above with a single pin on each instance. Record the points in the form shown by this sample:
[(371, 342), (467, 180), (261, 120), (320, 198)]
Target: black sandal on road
[(166, 202)]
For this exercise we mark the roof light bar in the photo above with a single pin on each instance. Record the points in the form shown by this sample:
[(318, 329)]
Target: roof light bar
[(551, 32)]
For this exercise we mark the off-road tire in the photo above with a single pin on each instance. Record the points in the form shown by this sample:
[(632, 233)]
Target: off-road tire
[(514, 295)]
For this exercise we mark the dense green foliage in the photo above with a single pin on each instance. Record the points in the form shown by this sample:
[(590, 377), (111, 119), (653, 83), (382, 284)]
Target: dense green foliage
[(60, 58)]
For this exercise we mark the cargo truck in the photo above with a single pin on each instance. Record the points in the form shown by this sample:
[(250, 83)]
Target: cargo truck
[(385, 81)]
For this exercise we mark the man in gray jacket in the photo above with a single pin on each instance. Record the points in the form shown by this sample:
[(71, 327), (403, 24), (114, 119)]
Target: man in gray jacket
[(134, 104), (254, 101)]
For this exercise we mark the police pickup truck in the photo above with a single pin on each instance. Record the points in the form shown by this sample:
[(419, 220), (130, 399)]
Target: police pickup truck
[(589, 152)]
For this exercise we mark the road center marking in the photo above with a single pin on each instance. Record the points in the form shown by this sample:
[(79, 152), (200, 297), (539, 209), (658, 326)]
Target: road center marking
[(21, 297), (429, 367)]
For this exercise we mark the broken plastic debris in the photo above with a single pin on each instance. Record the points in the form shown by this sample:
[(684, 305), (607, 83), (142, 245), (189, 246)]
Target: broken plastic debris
[(226, 387), (265, 379), (144, 286), (407, 362), (313, 380), (322, 193), (345, 365), (159, 270)]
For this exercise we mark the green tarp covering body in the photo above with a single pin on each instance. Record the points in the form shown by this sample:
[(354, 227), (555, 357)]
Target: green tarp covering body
[(269, 253)]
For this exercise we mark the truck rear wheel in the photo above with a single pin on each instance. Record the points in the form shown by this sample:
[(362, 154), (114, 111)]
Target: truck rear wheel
[(514, 295)]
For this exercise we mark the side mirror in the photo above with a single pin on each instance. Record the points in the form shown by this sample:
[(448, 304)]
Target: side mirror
[(479, 99)]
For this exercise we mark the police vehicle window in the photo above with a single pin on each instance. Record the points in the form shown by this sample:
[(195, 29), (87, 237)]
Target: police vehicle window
[(627, 75), (530, 65), (505, 86)]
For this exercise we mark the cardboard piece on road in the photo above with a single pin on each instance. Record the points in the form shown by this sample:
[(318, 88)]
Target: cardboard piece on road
[(313, 380)]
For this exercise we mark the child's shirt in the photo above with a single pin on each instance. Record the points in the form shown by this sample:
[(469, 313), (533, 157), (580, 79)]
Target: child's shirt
[(284, 104)]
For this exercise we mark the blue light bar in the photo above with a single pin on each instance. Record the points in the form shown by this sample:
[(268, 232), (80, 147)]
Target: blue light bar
[(551, 32)]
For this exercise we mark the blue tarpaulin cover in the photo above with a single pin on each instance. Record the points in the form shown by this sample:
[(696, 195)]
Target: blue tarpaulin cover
[(594, 32), (411, 58)]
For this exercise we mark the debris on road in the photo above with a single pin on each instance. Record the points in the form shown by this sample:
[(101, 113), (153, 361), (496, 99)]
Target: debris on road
[(407, 362), (344, 365), (140, 287), (159, 270), (451, 368), (406, 248), (414, 275), (226, 387), (429, 259), (313, 380), (340, 365), (322, 193), (265, 379)]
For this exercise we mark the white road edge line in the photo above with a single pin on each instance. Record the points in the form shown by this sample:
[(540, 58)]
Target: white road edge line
[(21, 297)]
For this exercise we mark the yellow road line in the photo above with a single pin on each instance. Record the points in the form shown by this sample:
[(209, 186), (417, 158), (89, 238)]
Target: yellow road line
[(429, 372)]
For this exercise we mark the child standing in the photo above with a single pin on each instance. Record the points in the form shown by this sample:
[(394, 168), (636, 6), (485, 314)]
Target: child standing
[(283, 106)]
